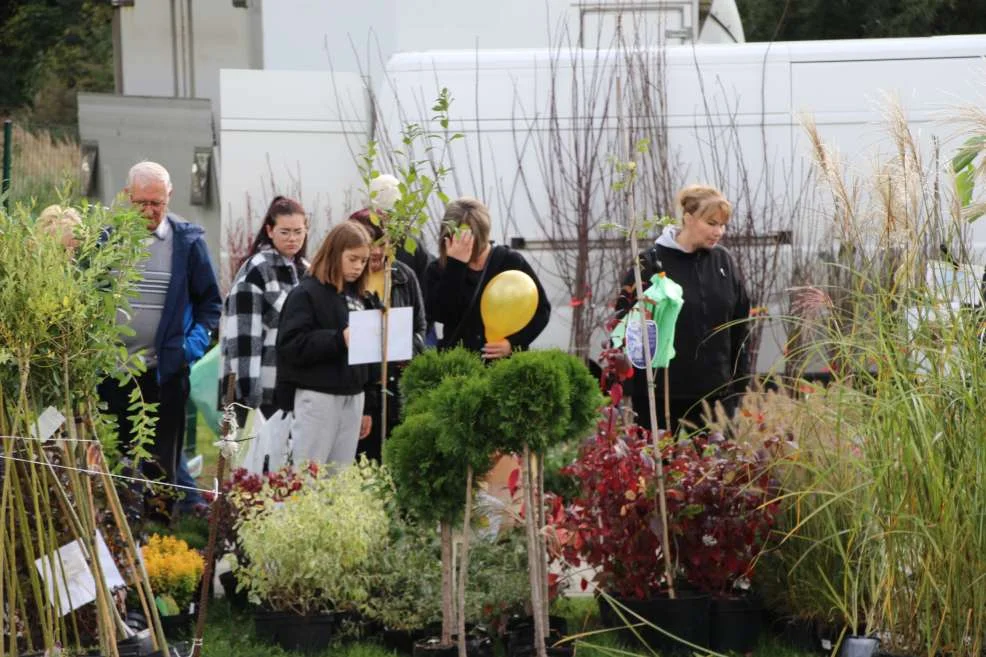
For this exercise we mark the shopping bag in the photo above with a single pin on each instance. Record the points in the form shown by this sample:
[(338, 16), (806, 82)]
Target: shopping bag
[(203, 391), (270, 442)]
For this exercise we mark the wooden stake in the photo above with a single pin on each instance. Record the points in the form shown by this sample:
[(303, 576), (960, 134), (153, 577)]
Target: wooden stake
[(217, 507)]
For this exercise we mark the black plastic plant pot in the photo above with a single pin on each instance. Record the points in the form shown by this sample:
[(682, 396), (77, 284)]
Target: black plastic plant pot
[(686, 618), (736, 624), (526, 648), (800, 634), (402, 641), (238, 599), (859, 646), (178, 626), (306, 634), (477, 645)]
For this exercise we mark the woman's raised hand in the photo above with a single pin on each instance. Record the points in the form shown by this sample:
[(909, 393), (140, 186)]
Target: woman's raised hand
[(459, 246)]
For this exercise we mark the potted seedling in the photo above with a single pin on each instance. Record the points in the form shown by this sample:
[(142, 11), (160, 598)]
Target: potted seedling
[(308, 559)]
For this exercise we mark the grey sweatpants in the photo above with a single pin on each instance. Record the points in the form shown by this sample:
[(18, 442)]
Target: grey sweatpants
[(325, 427)]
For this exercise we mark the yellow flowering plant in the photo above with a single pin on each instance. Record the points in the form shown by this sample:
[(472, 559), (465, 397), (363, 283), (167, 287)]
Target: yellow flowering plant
[(174, 570)]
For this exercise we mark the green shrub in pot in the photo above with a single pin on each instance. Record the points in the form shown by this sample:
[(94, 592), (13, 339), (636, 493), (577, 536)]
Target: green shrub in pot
[(311, 553)]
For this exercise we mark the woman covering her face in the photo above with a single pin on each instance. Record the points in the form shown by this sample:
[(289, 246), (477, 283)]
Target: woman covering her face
[(467, 262)]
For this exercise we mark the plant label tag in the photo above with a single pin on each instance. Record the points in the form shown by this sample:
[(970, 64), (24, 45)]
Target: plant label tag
[(68, 578), (48, 423), (635, 346)]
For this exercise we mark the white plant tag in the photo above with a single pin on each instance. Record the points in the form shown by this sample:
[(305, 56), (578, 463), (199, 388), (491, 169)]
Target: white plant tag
[(48, 423)]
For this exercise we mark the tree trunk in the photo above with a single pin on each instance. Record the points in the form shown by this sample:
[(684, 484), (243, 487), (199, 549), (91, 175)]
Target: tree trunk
[(464, 564), (448, 611), (534, 559)]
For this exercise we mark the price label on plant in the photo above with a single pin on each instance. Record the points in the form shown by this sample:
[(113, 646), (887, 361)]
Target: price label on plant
[(634, 344)]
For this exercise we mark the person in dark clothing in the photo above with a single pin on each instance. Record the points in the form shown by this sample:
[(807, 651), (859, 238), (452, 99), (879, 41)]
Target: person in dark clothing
[(711, 361), (313, 351), (467, 261), (404, 293), (176, 278)]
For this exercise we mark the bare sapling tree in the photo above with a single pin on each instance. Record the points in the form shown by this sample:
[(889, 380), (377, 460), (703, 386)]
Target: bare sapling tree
[(569, 184), (771, 194)]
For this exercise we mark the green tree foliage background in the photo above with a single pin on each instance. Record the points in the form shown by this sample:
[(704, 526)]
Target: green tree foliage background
[(51, 49), (796, 20)]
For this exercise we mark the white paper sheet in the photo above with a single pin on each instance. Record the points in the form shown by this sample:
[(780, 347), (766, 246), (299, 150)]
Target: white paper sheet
[(68, 573), (365, 332), (48, 423)]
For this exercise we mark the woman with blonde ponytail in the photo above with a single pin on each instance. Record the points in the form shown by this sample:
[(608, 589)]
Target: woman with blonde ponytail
[(710, 360)]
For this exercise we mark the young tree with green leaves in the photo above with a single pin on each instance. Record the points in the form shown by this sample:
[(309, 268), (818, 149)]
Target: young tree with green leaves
[(437, 454), (419, 171)]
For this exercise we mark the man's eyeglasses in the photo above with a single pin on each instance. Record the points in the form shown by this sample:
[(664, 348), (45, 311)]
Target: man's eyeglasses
[(149, 204)]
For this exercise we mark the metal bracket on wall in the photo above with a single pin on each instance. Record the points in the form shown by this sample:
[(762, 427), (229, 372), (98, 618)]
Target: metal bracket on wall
[(201, 166), (87, 168)]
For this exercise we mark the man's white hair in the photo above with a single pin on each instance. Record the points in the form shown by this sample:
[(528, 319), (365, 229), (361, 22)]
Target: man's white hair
[(145, 172)]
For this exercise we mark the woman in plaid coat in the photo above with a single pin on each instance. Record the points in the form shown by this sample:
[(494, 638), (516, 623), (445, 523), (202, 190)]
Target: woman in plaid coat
[(273, 267)]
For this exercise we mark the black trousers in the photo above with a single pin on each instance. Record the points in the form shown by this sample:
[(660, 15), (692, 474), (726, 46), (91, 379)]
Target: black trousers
[(682, 408), (168, 419), (372, 445)]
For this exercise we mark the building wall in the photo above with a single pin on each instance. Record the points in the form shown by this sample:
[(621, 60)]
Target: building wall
[(355, 37), (301, 35), (295, 133), (177, 47), (127, 129)]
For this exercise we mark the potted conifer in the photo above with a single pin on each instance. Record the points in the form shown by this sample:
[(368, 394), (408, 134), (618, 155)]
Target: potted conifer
[(437, 456), (538, 399)]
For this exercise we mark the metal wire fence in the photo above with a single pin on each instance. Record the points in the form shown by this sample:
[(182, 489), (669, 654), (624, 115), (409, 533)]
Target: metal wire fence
[(44, 164)]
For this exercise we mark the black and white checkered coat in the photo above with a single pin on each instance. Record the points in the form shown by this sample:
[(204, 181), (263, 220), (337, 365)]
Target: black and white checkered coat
[(249, 325)]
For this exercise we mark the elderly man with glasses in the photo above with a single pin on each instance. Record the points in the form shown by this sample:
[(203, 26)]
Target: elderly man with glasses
[(176, 308)]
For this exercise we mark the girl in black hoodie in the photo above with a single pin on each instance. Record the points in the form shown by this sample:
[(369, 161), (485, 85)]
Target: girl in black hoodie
[(313, 351), (710, 360)]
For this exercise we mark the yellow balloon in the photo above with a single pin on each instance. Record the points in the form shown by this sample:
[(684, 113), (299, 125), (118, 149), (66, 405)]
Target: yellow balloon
[(508, 304)]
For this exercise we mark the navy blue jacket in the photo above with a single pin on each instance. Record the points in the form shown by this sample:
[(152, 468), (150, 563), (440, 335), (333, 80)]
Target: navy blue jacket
[(193, 284)]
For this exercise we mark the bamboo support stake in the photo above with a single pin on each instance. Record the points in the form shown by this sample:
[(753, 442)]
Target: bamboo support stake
[(464, 564), (384, 324), (210, 551), (144, 590)]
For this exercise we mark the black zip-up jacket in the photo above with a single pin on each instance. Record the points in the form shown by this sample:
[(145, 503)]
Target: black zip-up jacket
[(450, 289), (311, 352), (710, 359)]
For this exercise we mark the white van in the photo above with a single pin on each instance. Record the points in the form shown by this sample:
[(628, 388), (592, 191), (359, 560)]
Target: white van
[(536, 120), (542, 126)]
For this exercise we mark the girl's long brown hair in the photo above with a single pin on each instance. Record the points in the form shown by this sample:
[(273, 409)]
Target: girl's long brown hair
[(327, 264)]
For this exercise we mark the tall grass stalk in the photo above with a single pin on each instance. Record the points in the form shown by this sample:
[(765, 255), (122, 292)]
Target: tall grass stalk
[(43, 161), (885, 510)]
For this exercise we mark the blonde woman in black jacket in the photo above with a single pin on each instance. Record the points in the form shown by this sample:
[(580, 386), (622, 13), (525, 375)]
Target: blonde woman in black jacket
[(711, 361)]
